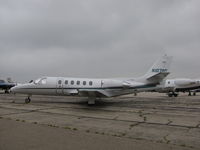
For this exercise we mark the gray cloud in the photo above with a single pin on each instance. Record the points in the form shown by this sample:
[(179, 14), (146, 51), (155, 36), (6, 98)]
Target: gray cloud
[(97, 38)]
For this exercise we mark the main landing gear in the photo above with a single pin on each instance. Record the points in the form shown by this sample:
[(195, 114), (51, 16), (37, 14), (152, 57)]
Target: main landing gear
[(172, 94), (91, 101), (28, 100), (190, 93)]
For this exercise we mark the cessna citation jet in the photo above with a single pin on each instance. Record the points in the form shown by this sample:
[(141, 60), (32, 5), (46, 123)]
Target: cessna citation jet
[(96, 88)]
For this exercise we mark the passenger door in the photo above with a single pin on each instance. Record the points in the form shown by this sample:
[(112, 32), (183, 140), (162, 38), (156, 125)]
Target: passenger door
[(59, 86)]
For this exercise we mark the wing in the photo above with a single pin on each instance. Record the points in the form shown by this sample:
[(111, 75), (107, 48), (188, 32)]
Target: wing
[(94, 93)]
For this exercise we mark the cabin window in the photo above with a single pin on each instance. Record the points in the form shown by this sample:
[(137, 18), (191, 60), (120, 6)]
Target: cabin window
[(66, 81), (90, 83), (168, 82), (59, 82), (84, 82), (72, 82), (78, 82)]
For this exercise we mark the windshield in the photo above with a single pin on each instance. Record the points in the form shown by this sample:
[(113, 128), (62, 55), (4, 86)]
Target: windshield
[(41, 81), (37, 81)]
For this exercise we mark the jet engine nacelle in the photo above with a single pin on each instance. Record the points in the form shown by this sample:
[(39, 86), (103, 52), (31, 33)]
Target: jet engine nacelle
[(132, 84), (111, 83), (184, 82)]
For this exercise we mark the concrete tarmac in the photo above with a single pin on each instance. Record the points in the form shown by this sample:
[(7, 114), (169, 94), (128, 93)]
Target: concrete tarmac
[(148, 121)]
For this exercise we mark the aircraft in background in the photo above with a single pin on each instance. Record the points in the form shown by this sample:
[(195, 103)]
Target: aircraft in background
[(96, 88), (195, 91), (6, 85), (173, 86)]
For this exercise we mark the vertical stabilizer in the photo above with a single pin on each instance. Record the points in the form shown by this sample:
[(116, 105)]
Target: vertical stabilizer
[(159, 70)]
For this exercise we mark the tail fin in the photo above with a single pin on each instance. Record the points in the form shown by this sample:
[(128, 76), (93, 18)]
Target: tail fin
[(159, 70)]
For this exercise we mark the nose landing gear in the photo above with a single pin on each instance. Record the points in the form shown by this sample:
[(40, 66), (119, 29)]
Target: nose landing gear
[(28, 100), (190, 93)]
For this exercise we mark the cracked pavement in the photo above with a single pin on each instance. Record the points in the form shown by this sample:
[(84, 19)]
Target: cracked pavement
[(147, 117)]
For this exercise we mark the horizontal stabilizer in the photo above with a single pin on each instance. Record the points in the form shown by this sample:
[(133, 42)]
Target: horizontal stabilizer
[(158, 77)]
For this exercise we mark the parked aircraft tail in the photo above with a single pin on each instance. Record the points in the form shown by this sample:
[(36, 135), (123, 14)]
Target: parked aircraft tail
[(159, 70)]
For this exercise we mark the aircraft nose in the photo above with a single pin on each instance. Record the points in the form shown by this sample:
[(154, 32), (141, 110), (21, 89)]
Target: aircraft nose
[(20, 89), (15, 89)]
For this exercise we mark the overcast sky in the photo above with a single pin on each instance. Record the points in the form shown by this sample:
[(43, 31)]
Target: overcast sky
[(97, 38)]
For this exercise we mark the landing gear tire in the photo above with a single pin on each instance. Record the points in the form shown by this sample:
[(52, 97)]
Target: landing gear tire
[(27, 100), (172, 94), (194, 94), (175, 95), (189, 94)]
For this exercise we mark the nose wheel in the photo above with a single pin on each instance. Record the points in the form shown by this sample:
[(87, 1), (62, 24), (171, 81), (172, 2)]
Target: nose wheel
[(27, 100)]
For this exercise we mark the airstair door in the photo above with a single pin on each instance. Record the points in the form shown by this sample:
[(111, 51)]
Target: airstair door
[(59, 86)]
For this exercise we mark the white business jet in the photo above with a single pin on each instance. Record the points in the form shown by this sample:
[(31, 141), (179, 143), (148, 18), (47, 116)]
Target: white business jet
[(96, 88), (173, 86)]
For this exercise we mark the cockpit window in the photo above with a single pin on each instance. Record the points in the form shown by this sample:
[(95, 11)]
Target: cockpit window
[(41, 81), (37, 81), (31, 81)]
